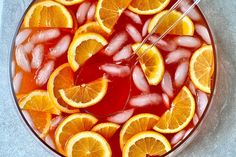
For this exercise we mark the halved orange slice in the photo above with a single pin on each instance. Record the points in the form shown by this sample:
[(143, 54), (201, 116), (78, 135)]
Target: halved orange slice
[(62, 77), (88, 144), (184, 27), (202, 68), (147, 7), (147, 143), (69, 2), (46, 14), (151, 62), (85, 95), (39, 100), (179, 115), (72, 125), (83, 47), (107, 130), (109, 11), (139, 123)]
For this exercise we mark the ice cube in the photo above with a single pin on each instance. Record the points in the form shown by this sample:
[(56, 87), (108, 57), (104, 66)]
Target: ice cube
[(50, 142), (61, 47), (145, 100), (203, 32), (13, 68), (22, 59), (193, 14), (91, 12), (202, 101), (139, 80), (195, 119), (145, 28), (166, 100), (116, 43), (192, 88), (134, 17), (37, 56), (134, 33), (44, 73), (166, 84), (166, 45), (45, 35), (121, 117), (177, 137), (28, 47), (181, 73), (82, 12), (124, 53), (187, 41), (22, 36), (177, 55), (55, 122), (187, 132), (116, 70), (17, 80)]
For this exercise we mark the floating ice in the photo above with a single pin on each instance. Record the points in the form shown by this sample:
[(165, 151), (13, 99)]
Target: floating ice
[(55, 122), (166, 100), (44, 73), (192, 88), (124, 53), (166, 84), (193, 14), (22, 59), (187, 132), (177, 137), (202, 101), (134, 33), (166, 45), (177, 55), (145, 100), (91, 12), (203, 32), (17, 82), (116, 43), (181, 73), (145, 28), (45, 35), (37, 56), (82, 12), (28, 47), (195, 119), (140, 80), (121, 117), (190, 42), (22, 36), (116, 70), (136, 18), (61, 47)]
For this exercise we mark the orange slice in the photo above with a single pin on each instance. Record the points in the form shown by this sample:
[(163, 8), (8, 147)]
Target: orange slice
[(88, 144), (147, 143), (39, 100), (202, 68), (184, 27), (91, 27), (69, 2), (83, 47), (85, 95), (41, 122), (61, 78), (151, 62), (107, 130), (146, 7), (46, 14), (179, 115), (109, 11), (135, 125), (72, 125)]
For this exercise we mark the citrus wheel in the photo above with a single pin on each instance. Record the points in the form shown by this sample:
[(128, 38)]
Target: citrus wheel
[(146, 7), (39, 100), (202, 68), (83, 47), (184, 27), (72, 125), (70, 2), (109, 11), (91, 27), (147, 143), (138, 123), (41, 122), (107, 130), (151, 62), (89, 144), (179, 115), (61, 78), (46, 13), (85, 95)]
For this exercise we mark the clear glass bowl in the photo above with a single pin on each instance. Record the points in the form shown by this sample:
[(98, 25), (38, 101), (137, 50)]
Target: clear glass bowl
[(206, 124)]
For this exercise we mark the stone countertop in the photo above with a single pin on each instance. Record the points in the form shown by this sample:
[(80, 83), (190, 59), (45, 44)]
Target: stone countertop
[(218, 135)]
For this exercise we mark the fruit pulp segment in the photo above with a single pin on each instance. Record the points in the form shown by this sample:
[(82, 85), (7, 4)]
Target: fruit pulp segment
[(123, 92)]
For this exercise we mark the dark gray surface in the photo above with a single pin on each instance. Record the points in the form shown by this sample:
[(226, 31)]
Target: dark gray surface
[(218, 136)]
